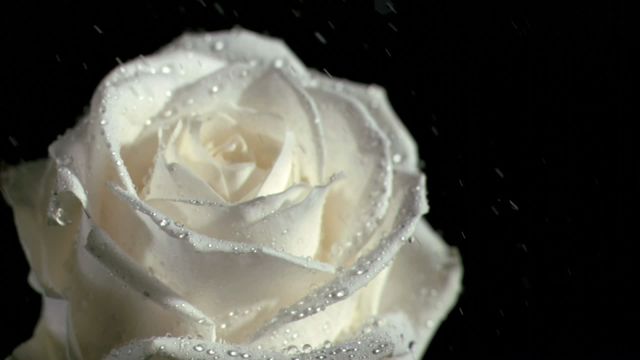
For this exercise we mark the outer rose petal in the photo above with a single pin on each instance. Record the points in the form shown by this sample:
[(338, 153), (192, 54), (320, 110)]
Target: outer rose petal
[(240, 45), (405, 209), (127, 301), (425, 281), (361, 150), (220, 276), (48, 247), (403, 147)]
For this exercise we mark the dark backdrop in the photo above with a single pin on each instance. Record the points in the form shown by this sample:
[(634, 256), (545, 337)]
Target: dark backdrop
[(519, 111)]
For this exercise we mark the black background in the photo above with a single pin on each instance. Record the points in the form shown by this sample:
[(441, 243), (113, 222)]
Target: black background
[(521, 115)]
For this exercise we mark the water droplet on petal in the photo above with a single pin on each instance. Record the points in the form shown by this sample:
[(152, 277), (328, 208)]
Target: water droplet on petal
[(233, 353), (198, 348), (278, 63), (291, 350), (397, 158), (218, 45)]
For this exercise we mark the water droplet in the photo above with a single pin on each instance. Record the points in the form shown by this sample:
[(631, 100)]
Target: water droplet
[(210, 352), (214, 89), (246, 356), (430, 323), (338, 294), (320, 37), (306, 348), (376, 351), (198, 348), (163, 222), (223, 326), (291, 350), (218, 45), (233, 353), (278, 63), (103, 122), (326, 344), (397, 158), (165, 69)]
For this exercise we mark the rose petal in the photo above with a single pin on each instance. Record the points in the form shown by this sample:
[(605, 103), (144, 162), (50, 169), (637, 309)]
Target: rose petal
[(49, 337), (241, 45), (121, 106), (403, 147), (277, 93), (221, 276), (361, 150), (373, 346), (425, 281), (108, 288), (329, 323), (123, 267), (48, 247), (266, 91), (289, 221), (405, 209)]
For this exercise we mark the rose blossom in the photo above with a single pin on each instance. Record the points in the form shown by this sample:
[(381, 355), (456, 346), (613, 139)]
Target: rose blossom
[(220, 199)]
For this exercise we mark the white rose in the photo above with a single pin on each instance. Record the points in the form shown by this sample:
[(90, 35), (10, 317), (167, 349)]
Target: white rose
[(222, 201)]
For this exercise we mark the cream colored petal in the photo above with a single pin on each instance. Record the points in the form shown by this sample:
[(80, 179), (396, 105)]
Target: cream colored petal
[(405, 209), (425, 282), (361, 151), (47, 245), (221, 276), (111, 290), (175, 181), (274, 92), (279, 176), (330, 324), (377, 345), (49, 337), (268, 92), (132, 274), (289, 221), (126, 99), (404, 150), (241, 45)]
